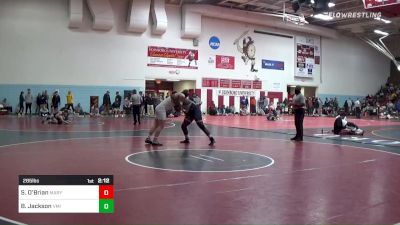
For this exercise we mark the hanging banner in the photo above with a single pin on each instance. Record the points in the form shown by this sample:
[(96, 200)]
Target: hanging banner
[(236, 83), (172, 57), (307, 57), (246, 84), (257, 84), (230, 92), (210, 82), (224, 83), (225, 62)]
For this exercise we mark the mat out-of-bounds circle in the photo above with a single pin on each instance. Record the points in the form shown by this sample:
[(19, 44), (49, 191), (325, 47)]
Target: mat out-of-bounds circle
[(200, 160)]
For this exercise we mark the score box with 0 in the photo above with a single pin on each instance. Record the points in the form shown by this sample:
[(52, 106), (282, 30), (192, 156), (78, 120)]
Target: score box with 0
[(66, 194)]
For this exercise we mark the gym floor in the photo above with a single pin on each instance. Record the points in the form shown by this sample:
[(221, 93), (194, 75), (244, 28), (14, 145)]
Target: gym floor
[(253, 175)]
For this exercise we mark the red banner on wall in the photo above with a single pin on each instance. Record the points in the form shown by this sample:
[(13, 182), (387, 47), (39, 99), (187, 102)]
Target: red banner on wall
[(210, 82), (228, 83), (172, 57), (225, 62), (246, 84), (236, 83), (257, 84), (225, 83)]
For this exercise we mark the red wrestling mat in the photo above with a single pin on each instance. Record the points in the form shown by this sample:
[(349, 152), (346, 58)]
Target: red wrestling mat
[(308, 183)]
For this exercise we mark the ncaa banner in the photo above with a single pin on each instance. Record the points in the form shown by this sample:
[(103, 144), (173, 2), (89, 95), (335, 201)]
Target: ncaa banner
[(307, 57), (225, 62), (172, 57)]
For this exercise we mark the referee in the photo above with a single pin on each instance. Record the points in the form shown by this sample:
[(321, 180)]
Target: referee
[(299, 105)]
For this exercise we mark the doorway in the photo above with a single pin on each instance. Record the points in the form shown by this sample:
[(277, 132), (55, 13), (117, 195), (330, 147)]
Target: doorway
[(307, 91), (164, 88)]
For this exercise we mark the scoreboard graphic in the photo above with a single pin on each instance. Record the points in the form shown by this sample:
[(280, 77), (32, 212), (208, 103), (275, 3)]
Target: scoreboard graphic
[(66, 194)]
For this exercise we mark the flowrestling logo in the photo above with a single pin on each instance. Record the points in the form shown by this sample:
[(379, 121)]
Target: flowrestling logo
[(354, 15)]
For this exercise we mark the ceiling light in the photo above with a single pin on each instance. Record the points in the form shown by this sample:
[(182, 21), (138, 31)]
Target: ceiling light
[(398, 67), (383, 20), (150, 79), (172, 80), (323, 17), (331, 4), (381, 32), (312, 2)]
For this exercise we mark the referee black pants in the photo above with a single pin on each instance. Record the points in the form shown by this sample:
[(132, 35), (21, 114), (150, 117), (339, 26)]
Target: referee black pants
[(136, 113), (298, 121)]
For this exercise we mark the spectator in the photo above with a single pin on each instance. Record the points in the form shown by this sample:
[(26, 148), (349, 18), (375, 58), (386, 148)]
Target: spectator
[(127, 106), (253, 105), (221, 110), (350, 105), (357, 106), (266, 103), (136, 103), (70, 101), (106, 102), (46, 99), (150, 104), (55, 101), (78, 109), (142, 104), (146, 104), (21, 104), (212, 110), (346, 107), (6, 105), (38, 103), (28, 102), (116, 106), (43, 100)]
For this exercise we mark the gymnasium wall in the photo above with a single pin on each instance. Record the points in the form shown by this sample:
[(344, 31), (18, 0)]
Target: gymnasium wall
[(38, 50)]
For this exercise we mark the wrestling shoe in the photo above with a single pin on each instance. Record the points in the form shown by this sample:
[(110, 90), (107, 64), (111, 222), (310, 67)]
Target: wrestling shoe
[(156, 143), (186, 141), (212, 141), (148, 141)]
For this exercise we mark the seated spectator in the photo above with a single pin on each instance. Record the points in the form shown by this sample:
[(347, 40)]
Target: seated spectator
[(43, 111), (78, 109), (398, 106), (272, 113), (116, 105), (212, 110), (342, 127), (222, 110), (243, 111), (4, 102), (6, 106), (127, 106), (94, 111)]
